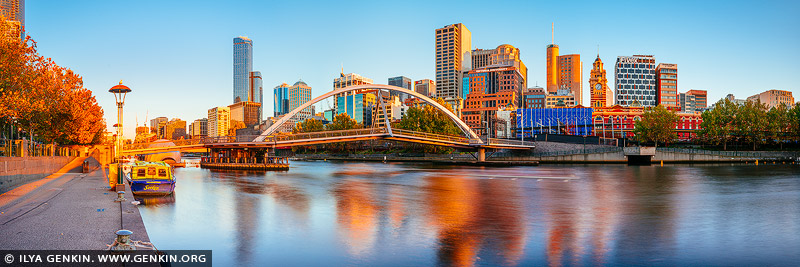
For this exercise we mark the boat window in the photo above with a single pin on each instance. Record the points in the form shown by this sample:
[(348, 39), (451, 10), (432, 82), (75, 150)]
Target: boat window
[(162, 173), (151, 171), (140, 172)]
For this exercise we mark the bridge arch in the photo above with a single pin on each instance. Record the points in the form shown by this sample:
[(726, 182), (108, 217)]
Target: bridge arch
[(463, 126)]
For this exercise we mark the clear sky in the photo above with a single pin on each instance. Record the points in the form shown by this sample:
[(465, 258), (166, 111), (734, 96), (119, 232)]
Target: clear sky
[(177, 56)]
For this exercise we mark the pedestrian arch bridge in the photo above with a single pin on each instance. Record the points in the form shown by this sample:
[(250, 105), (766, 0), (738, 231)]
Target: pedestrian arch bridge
[(272, 139)]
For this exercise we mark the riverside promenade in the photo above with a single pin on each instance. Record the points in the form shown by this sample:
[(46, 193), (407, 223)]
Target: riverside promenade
[(67, 210)]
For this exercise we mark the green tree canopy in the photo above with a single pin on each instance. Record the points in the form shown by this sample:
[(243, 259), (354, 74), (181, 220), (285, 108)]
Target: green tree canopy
[(342, 121), (657, 125), (308, 126), (426, 118)]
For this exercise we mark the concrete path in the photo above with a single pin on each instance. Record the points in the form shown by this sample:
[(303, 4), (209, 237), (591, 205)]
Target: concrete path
[(67, 211)]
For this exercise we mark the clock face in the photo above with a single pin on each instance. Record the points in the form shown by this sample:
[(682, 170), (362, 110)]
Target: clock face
[(597, 86)]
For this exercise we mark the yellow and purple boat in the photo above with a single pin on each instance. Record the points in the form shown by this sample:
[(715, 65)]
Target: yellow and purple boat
[(151, 178)]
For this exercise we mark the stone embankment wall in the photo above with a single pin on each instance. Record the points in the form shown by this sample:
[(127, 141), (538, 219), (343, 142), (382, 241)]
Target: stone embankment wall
[(15, 171)]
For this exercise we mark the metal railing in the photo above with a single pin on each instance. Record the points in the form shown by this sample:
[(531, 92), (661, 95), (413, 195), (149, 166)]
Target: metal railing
[(735, 154), (184, 142), (509, 142), (25, 148), (440, 137)]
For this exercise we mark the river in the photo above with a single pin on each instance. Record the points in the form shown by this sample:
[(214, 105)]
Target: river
[(394, 214)]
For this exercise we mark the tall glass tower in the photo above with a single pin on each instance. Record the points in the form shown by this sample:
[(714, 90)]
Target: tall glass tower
[(242, 66)]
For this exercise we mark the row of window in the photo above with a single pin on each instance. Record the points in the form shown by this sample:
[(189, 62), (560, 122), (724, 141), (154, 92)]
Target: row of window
[(643, 66), (624, 80), (628, 86), (638, 71), (635, 92)]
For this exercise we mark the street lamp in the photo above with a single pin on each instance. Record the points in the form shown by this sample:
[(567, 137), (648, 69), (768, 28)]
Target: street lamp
[(119, 92)]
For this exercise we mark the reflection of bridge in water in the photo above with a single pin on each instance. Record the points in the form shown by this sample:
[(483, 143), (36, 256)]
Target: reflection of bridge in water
[(261, 149)]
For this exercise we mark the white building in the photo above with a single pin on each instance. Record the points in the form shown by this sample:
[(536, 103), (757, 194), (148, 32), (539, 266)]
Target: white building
[(635, 79)]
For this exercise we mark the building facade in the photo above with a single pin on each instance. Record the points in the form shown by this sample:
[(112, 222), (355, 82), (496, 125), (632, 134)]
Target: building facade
[(700, 98), (242, 67), (257, 92), (425, 87), (14, 12), (687, 103), (601, 94), (503, 55), (198, 128), (774, 98), (453, 48), (667, 85), (571, 121), (346, 80), (618, 122), (246, 112), (562, 98), (635, 81), (552, 68), (534, 98), (175, 129), (357, 106), (154, 123), (491, 88), (402, 82), (570, 71), (218, 121)]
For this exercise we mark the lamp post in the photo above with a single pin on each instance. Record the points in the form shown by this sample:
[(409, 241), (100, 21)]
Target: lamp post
[(119, 92)]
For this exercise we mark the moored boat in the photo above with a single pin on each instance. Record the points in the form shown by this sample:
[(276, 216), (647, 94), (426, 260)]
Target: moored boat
[(151, 178)]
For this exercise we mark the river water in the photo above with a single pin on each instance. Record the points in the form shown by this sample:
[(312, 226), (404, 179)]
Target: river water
[(392, 214)]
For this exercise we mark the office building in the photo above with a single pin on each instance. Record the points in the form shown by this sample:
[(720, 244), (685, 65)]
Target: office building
[(687, 103), (218, 121), (198, 128), (503, 55), (299, 94), (357, 106), (246, 112), (14, 12), (700, 98), (425, 87), (570, 71), (635, 81), (346, 80), (402, 82), (601, 95), (242, 67), (175, 129), (667, 85), (534, 97), (453, 47), (733, 99), (774, 98), (154, 123), (491, 88), (562, 98), (257, 92)]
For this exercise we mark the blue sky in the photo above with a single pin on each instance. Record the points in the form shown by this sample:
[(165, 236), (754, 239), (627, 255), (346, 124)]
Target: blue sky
[(177, 55)]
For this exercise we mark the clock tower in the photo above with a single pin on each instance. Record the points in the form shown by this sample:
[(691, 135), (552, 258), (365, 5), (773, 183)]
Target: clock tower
[(601, 94)]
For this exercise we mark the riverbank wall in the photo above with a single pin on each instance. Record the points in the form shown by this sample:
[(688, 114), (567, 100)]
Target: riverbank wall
[(15, 171)]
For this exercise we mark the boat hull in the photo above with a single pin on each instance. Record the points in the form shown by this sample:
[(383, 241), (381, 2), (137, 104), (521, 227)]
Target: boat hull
[(152, 188)]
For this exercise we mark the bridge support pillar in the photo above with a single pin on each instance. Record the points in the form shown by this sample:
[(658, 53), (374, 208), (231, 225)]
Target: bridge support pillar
[(481, 154)]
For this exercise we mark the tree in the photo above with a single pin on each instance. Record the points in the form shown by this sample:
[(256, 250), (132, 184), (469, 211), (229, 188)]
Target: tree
[(717, 126), (657, 125), (429, 119), (235, 125), (779, 124), (342, 121), (794, 121), (751, 123), (308, 126)]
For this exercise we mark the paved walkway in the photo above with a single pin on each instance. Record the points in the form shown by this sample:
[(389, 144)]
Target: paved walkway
[(67, 211)]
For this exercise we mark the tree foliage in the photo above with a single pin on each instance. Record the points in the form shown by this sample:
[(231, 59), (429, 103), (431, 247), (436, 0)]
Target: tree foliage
[(657, 125), (717, 126), (342, 121), (308, 126), (235, 125), (42, 98), (426, 118), (750, 123)]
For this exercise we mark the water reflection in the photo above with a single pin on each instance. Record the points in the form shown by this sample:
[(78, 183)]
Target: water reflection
[(407, 214)]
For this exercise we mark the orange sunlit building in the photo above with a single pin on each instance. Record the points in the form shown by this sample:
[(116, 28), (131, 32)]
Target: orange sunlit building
[(490, 88), (667, 85), (601, 95), (618, 121)]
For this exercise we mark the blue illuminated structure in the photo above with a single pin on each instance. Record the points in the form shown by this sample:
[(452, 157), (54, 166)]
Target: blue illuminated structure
[(572, 121)]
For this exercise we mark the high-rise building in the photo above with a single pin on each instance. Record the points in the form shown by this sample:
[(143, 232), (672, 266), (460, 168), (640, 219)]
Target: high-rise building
[(562, 98), (357, 106), (635, 81), (503, 55), (346, 80), (667, 85), (246, 112), (425, 87), (552, 68), (281, 98), (687, 103), (453, 48), (299, 94), (402, 82), (700, 98), (198, 128), (257, 92), (14, 12), (570, 71), (175, 129), (601, 95), (491, 89), (774, 98), (242, 67), (155, 122), (218, 121)]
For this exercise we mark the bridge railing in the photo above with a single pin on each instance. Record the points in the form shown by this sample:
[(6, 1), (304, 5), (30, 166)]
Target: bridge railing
[(449, 138), (184, 142), (508, 142)]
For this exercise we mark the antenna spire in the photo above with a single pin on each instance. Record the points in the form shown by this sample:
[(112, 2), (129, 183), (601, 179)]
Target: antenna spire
[(552, 33)]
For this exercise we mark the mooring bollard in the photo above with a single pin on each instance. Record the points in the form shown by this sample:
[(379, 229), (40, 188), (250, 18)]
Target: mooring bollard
[(120, 196), (123, 241)]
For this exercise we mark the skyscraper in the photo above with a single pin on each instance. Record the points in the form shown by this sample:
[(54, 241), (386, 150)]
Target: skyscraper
[(667, 85), (346, 80), (257, 92), (281, 97), (14, 12), (403, 82), (570, 71), (453, 48), (242, 66), (503, 55), (218, 121), (552, 64), (425, 87), (601, 95), (288, 98), (700, 97), (635, 81)]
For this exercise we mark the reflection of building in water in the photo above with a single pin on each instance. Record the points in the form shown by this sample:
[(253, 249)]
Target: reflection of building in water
[(357, 215), (294, 198), (395, 206), (561, 233), (473, 214), (247, 224)]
